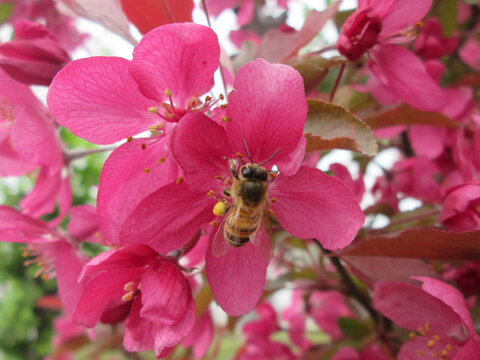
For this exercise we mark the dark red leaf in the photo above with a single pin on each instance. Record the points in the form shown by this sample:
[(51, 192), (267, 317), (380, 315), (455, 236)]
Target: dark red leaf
[(148, 14)]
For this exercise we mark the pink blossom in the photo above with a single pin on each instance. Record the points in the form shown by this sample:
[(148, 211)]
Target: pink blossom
[(375, 27), (325, 308), (470, 53), (370, 352), (431, 43), (436, 313), (357, 186), (201, 336), (153, 290), (35, 56), (295, 315), (97, 98), (266, 323), (460, 210), (304, 199)]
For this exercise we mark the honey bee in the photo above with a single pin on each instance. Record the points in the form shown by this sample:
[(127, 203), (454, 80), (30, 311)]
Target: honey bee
[(247, 218)]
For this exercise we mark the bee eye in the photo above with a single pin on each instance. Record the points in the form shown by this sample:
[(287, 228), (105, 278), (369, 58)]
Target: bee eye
[(247, 172)]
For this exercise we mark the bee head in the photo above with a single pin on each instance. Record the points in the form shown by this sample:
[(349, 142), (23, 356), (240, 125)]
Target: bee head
[(254, 171)]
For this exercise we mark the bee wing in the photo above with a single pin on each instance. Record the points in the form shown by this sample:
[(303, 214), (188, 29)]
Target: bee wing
[(263, 237), (220, 246)]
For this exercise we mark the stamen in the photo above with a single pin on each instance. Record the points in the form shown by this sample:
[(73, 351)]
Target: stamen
[(239, 155), (219, 177), (146, 170), (273, 200), (143, 146), (213, 223), (162, 160), (223, 106), (271, 212), (220, 208), (221, 97), (153, 128), (168, 93), (130, 286), (153, 110), (179, 180), (130, 138), (430, 344), (210, 193), (128, 296)]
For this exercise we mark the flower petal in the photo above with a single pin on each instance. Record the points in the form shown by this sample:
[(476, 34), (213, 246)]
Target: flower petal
[(83, 223), (238, 277), (427, 141), (168, 218), (403, 13), (141, 164), (417, 89), (199, 145), (179, 57), (139, 333), (165, 294), (311, 204), (98, 100), (268, 110)]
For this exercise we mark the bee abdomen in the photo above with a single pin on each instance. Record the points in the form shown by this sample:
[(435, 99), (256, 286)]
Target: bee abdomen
[(238, 233)]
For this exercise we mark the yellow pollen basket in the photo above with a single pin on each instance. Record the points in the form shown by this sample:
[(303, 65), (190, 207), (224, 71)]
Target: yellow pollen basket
[(220, 208)]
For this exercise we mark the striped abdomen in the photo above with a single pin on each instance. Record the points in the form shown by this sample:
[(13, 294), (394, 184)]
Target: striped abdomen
[(241, 222)]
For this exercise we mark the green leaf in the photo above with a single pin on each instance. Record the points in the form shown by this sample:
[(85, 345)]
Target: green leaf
[(446, 12), (352, 99), (406, 115), (5, 11), (331, 126), (314, 69), (353, 328)]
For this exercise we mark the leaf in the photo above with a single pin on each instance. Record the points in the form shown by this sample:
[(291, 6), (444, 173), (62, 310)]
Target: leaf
[(331, 126), (148, 14), (202, 300), (278, 46), (314, 69), (353, 328), (340, 18), (446, 12), (427, 243), (406, 115), (352, 99), (5, 11)]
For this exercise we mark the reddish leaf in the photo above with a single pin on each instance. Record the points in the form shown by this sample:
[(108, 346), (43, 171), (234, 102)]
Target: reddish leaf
[(427, 243), (406, 115), (148, 14), (331, 126), (278, 46)]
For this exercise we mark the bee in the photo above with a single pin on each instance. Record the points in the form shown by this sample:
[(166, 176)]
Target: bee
[(247, 218)]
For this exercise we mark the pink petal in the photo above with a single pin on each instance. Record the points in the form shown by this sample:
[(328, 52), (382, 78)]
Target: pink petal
[(417, 89), (68, 265), (246, 11), (83, 223), (165, 294), (450, 296), (17, 227), (201, 336), (199, 145), (139, 333), (469, 350), (311, 204), (427, 141), (411, 307), (403, 13), (179, 57), (265, 325), (11, 164), (168, 218), (237, 278), (268, 110), (124, 171), (346, 353), (357, 187), (98, 100), (100, 292)]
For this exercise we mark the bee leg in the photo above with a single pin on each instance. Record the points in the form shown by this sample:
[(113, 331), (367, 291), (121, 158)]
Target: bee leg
[(233, 168), (226, 192)]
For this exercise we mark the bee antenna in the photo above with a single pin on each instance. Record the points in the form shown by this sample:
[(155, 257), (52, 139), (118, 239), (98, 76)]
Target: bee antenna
[(270, 158), (248, 151)]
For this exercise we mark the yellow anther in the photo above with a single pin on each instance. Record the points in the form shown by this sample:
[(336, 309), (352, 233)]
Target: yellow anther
[(223, 106), (223, 119), (412, 335), (129, 286), (218, 177), (210, 193), (153, 110), (179, 180), (221, 97), (162, 160), (144, 146), (130, 138), (213, 223), (427, 326), (436, 337), (422, 331), (153, 128), (128, 296), (273, 200), (220, 208), (430, 344), (444, 353), (26, 254), (449, 347), (146, 170), (168, 92), (208, 98)]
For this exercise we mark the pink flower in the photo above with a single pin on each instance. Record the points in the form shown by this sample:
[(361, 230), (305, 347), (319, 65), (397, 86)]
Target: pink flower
[(461, 207), (370, 352), (35, 56), (295, 314), (325, 308), (431, 43), (438, 315), (375, 27), (306, 202), (265, 325), (153, 290), (107, 99)]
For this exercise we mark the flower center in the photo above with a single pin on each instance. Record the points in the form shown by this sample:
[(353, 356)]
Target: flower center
[(438, 345)]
